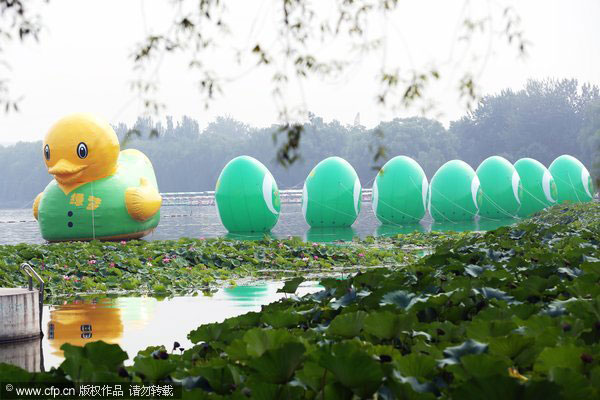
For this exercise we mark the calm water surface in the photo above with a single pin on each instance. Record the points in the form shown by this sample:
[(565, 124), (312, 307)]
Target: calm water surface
[(137, 322), (18, 225)]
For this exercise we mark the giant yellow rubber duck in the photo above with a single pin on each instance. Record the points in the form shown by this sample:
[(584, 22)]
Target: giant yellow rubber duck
[(98, 191)]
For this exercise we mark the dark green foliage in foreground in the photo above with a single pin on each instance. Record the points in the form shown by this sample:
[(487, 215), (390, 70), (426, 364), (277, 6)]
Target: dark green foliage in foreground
[(509, 314), (181, 266)]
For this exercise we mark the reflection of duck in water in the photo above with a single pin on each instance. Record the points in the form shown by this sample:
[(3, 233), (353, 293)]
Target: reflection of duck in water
[(97, 191), (247, 296), (80, 323)]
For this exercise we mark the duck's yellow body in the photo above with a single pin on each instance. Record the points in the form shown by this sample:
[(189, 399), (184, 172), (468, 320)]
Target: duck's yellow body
[(98, 192)]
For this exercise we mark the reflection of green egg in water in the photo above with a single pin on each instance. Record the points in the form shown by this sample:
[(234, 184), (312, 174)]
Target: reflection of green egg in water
[(246, 294), (400, 192), (247, 196), (492, 224), (395, 230), (501, 188), (330, 234), (573, 180), (454, 226), (136, 309), (332, 194), (454, 192), (539, 187), (250, 236)]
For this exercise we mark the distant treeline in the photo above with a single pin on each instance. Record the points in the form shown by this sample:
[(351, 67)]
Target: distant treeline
[(543, 120)]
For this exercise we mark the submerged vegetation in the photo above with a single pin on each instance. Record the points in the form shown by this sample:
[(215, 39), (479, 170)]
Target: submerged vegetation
[(511, 313)]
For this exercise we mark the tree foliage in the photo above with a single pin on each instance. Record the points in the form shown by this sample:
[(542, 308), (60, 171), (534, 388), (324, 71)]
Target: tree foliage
[(542, 121), (299, 49), (303, 32), (16, 23), (543, 118)]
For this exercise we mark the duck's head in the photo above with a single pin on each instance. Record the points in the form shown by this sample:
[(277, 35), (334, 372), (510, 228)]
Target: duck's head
[(80, 148)]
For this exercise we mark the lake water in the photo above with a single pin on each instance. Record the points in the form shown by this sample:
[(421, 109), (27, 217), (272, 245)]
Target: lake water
[(18, 225), (137, 322)]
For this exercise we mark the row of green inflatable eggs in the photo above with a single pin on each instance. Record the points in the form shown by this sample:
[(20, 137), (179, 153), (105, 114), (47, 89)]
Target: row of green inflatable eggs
[(248, 199)]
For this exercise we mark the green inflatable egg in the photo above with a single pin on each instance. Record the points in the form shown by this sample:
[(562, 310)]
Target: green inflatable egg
[(539, 188), (454, 192), (332, 194), (501, 187), (247, 196), (573, 180), (400, 192)]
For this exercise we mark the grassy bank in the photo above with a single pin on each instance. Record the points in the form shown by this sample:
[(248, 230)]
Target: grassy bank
[(509, 314)]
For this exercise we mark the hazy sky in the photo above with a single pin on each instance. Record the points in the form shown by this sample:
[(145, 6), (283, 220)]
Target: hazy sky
[(83, 63)]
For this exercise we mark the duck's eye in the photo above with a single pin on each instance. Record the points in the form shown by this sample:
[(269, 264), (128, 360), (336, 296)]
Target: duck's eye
[(82, 150), (47, 152)]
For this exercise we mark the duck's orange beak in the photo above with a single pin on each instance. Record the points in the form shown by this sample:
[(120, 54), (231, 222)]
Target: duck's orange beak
[(65, 171)]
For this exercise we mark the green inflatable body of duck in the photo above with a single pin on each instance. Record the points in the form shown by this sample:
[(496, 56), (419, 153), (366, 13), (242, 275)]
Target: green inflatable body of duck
[(98, 191)]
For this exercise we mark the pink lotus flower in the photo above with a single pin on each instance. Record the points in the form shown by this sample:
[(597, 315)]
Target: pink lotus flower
[(66, 278), (166, 260), (112, 265), (123, 242), (92, 262), (361, 255), (315, 244), (316, 257)]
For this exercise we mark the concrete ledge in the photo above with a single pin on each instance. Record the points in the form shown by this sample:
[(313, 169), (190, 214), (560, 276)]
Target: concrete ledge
[(19, 314)]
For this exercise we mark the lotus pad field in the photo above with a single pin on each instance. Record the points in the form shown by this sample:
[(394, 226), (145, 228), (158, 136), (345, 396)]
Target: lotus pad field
[(508, 314), (186, 265)]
